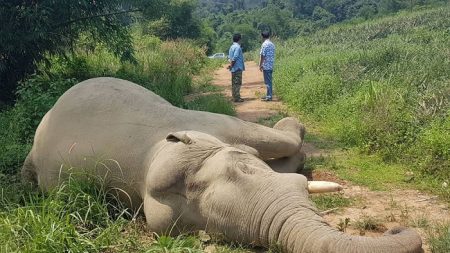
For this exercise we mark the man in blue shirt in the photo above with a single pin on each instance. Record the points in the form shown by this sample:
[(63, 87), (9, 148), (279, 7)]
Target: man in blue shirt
[(266, 61), (236, 67)]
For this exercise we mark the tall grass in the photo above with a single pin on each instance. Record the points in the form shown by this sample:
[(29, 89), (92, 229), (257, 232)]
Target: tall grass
[(381, 85), (74, 217)]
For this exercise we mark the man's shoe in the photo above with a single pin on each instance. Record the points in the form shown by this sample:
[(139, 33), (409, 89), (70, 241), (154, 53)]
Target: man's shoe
[(266, 99), (239, 100)]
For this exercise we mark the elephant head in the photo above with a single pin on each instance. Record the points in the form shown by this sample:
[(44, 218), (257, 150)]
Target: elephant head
[(195, 181)]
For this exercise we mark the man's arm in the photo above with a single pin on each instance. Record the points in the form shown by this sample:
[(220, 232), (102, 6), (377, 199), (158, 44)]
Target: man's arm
[(262, 57), (233, 59), (261, 62)]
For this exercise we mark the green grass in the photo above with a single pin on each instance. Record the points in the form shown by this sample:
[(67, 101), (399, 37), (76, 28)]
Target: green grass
[(272, 120), (179, 244), (440, 238), (369, 171), (77, 216), (380, 86), (369, 223), (330, 201), (216, 103)]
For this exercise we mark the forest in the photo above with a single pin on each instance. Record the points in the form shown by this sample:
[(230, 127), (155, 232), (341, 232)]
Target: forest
[(374, 75)]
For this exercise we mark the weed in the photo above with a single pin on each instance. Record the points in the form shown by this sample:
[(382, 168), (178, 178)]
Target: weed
[(420, 221), (330, 200), (271, 120), (369, 223), (343, 224), (216, 103), (179, 244), (439, 238)]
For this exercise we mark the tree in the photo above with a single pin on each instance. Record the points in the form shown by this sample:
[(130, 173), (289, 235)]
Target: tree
[(31, 29)]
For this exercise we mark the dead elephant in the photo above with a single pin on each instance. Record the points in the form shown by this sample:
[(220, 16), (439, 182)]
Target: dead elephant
[(199, 170)]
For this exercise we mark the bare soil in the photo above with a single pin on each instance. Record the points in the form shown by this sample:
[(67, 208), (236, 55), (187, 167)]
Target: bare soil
[(382, 209)]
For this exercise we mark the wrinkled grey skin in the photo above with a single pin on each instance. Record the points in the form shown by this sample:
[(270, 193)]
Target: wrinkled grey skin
[(191, 170)]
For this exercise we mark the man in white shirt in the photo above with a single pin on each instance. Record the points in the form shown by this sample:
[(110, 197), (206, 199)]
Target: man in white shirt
[(266, 61)]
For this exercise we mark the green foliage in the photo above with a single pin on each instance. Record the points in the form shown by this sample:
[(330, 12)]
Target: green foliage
[(33, 30), (178, 22), (329, 201), (18, 124), (288, 18), (75, 217), (216, 103), (379, 85), (440, 238), (163, 67), (30, 30)]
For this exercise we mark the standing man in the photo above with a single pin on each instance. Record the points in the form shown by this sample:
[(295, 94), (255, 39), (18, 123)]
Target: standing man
[(236, 67), (267, 58)]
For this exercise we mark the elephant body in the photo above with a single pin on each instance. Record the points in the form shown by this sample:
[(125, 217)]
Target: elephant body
[(191, 170)]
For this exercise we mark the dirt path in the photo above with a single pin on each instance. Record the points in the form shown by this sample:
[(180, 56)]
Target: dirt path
[(252, 90), (382, 209)]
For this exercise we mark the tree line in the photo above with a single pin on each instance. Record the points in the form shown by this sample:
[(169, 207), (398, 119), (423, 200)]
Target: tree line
[(289, 18)]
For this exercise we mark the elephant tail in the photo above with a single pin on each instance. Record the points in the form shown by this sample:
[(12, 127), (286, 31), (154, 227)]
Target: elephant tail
[(28, 172)]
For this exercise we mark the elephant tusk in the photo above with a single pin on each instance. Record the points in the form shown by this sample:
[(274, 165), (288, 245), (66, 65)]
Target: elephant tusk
[(323, 187)]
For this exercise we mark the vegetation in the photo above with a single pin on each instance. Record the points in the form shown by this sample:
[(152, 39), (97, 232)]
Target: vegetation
[(326, 202), (289, 18), (379, 85), (33, 30), (440, 238), (74, 217)]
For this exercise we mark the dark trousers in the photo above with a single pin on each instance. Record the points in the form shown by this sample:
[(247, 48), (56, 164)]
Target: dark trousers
[(236, 83)]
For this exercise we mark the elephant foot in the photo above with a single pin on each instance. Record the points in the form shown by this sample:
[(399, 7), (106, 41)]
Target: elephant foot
[(291, 125)]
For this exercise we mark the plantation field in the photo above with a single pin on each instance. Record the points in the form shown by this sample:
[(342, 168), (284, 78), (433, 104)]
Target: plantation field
[(382, 86)]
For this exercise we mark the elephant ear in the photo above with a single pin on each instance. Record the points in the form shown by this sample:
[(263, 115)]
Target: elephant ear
[(179, 136)]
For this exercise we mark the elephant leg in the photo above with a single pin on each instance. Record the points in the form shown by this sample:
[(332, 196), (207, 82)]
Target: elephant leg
[(295, 162), (290, 164), (284, 140), (28, 171)]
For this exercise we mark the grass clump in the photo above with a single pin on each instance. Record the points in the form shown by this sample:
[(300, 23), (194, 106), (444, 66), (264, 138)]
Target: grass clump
[(369, 223), (271, 120), (330, 201), (179, 244), (439, 238)]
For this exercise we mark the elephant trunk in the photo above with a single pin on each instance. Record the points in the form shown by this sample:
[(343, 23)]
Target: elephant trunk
[(303, 230)]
